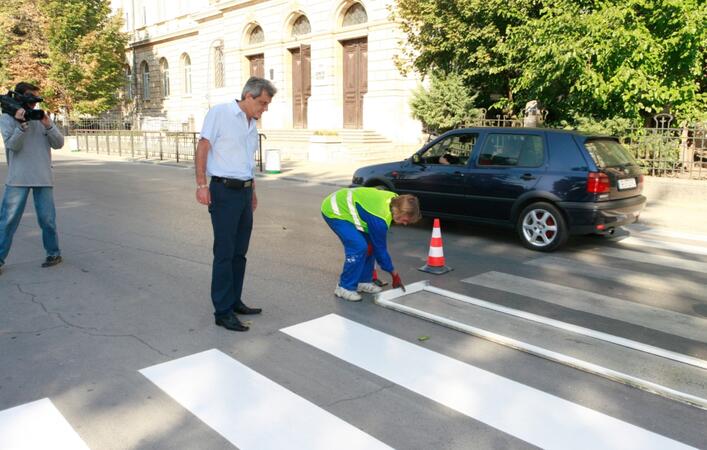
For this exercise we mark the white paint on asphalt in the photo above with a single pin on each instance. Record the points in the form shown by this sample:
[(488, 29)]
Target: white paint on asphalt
[(670, 322), (666, 232), (675, 284), (250, 410), (37, 425), (665, 245), (534, 416), (660, 260)]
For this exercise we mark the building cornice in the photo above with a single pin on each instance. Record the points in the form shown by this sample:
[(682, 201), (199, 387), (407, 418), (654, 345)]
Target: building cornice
[(192, 31)]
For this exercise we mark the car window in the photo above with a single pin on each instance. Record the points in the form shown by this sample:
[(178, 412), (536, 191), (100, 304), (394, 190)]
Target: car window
[(609, 153), (452, 150), (522, 150)]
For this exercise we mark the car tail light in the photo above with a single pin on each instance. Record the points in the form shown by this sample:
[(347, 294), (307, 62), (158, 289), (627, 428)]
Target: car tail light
[(598, 183)]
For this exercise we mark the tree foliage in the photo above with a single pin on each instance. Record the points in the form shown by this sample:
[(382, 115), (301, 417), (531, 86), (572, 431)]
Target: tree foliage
[(445, 105), (22, 48), (76, 57), (596, 58)]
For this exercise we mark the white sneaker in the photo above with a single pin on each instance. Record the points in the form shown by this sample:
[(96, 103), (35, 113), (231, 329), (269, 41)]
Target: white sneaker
[(369, 288), (347, 295)]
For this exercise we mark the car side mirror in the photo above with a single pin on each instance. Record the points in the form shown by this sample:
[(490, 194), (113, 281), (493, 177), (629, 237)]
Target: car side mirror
[(416, 158)]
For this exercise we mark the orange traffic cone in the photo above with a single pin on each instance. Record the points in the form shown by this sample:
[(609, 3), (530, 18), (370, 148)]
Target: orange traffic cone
[(435, 258)]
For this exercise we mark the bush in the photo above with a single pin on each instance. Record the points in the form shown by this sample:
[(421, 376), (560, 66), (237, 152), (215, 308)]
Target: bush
[(446, 105)]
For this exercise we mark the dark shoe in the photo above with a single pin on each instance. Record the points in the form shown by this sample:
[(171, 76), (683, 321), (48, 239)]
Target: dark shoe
[(243, 309), (231, 322), (52, 261)]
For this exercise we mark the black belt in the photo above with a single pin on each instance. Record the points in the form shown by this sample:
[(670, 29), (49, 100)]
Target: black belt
[(233, 183)]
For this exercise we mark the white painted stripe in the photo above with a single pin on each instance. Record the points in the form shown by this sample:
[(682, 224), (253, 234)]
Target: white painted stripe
[(250, 410), (436, 252), (685, 359), (646, 316), (550, 355), (673, 246), (334, 205), (352, 210), (660, 260), (674, 284), (436, 232), (37, 425), (524, 412), (668, 233)]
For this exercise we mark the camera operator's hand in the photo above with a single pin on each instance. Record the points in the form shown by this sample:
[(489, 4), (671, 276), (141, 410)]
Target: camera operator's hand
[(20, 114), (46, 121)]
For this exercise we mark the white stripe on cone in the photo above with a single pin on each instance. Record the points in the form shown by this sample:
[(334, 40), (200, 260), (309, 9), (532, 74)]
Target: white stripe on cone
[(436, 252)]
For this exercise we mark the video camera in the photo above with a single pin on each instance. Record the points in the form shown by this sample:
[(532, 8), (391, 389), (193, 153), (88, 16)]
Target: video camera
[(12, 101)]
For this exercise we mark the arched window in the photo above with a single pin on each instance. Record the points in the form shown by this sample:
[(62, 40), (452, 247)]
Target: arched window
[(257, 36), (301, 26), (218, 64), (186, 73), (145, 69), (164, 77), (128, 88), (355, 15)]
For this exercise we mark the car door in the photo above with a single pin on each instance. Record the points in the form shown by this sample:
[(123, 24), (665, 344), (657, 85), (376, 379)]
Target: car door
[(436, 174), (507, 165)]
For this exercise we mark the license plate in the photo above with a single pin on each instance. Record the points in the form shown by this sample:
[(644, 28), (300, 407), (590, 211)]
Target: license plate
[(627, 183)]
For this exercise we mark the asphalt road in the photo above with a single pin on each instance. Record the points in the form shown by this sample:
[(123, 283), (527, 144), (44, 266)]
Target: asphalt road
[(133, 293)]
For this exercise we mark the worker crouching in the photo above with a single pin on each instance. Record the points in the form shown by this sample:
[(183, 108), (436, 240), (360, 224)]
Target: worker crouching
[(359, 217)]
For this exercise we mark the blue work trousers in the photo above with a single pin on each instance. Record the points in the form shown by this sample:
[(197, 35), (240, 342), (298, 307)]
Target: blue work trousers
[(13, 206), (232, 220), (358, 263)]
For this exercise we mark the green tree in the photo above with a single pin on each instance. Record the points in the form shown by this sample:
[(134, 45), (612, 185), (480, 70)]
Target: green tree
[(87, 52), (606, 59), (22, 45), (596, 58), (445, 105)]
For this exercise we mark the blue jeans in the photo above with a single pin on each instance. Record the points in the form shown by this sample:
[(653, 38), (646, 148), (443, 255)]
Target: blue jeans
[(358, 264), (13, 206)]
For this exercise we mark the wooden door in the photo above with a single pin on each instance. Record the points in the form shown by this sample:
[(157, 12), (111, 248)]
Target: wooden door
[(355, 81), (301, 84)]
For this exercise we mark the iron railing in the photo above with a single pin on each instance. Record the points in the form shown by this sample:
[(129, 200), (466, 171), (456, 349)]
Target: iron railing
[(177, 146)]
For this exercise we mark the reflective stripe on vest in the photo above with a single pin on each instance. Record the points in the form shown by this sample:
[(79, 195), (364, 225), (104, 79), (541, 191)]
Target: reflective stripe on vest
[(334, 205), (352, 210)]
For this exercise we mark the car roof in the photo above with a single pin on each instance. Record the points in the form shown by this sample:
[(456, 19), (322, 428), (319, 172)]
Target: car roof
[(528, 129)]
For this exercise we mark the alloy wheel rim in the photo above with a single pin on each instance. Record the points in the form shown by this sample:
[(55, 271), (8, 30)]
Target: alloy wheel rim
[(539, 228)]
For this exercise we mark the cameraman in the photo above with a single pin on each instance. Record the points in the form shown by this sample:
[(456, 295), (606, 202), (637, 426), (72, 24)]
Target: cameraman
[(27, 148)]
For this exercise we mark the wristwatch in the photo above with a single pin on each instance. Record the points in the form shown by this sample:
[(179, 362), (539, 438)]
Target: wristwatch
[(202, 186)]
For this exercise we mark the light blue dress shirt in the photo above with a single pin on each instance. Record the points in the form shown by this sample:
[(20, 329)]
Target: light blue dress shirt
[(234, 140)]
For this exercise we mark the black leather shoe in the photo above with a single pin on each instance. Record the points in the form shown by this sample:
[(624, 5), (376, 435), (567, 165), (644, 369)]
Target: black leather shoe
[(243, 309), (52, 261), (231, 322)]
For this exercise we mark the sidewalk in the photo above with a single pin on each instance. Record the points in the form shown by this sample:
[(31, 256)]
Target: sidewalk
[(672, 203)]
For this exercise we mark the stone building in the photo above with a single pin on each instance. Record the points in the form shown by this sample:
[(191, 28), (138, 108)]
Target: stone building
[(333, 62)]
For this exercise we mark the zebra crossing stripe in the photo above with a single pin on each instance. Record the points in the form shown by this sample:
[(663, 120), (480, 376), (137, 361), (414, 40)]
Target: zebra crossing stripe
[(674, 246), (674, 285), (37, 425), (646, 316), (529, 414), (250, 410), (642, 257)]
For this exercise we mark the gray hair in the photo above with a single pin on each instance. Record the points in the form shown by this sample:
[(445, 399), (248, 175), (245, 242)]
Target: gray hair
[(255, 86)]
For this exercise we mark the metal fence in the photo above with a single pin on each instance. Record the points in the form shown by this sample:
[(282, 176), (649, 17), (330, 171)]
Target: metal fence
[(667, 150), (160, 145)]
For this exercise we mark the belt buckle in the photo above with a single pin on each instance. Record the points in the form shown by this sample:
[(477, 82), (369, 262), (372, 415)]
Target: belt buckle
[(247, 183)]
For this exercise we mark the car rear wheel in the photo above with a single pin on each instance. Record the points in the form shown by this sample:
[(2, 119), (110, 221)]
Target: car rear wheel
[(541, 227)]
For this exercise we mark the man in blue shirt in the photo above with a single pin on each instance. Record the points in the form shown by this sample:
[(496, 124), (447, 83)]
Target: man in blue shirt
[(226, 153)]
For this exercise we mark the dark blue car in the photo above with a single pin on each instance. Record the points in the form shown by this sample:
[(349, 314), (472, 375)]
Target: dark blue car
[(545, 183)]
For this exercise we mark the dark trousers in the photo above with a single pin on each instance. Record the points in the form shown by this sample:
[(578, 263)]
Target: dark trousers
[(232, 220)]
